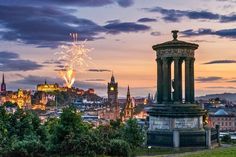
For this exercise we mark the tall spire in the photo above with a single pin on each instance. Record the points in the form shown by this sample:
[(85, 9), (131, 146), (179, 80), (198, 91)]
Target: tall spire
[(128, 92), (3, 85), (3, 79), (112, 78)]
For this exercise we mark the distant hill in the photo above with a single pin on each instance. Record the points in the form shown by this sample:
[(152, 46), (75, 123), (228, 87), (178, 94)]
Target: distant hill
[(227, 96)]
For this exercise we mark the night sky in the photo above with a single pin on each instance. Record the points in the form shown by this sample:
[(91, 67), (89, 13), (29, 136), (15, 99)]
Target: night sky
[(121, 34)]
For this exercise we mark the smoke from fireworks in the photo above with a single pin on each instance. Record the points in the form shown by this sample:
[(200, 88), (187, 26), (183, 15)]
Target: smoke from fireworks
[(74, 57)]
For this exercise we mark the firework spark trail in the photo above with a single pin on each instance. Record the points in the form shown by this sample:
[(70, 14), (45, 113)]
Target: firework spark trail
[(74, 57)]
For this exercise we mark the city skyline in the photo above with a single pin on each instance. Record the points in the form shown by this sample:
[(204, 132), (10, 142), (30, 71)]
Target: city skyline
[(31, 32)]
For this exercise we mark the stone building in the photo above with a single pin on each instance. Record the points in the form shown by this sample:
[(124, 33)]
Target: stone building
[(226, 121), (47, 87), (176, 120), (111, 107), (21, 97)]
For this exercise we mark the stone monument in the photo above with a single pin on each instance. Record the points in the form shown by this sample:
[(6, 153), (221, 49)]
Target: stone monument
[(176, 121)]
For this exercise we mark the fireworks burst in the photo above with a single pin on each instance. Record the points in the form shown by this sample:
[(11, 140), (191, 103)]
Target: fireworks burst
[(73, 56)]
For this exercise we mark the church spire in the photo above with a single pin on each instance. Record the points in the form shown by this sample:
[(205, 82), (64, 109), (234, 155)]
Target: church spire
[(112, 78), (3, 79), (128, 93), (3, 85)]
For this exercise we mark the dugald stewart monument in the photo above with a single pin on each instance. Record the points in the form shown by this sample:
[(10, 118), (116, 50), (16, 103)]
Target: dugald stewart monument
[(176, 120)]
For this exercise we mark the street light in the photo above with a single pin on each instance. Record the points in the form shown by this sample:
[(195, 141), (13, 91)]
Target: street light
[(149, 147)]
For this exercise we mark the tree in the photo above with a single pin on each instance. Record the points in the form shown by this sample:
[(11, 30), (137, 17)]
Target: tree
[(67, 133), (119, 148), (9, 104), (23, 134), (116, 124), (226, 138), (133, 133), (4, 133)]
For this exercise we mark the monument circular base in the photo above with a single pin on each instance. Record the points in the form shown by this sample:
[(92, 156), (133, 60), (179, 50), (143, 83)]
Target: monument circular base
[(176, 110), (195, 138)]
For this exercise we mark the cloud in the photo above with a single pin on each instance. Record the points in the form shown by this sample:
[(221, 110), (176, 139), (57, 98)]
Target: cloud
[(228, 18), (143, 20), (221, 62), (232, 1), (125, 27), (208, 79), (221, 87), (99, 70), (113, 21), (33, 80), (52, 62), (95, 80), (199, 41), (155, 33), (44, 26), (227, 33), (125, 3), (50, 26), (60, 67), (173, 15), (71, 3), (201, 31), (232, 81), (10, 61)]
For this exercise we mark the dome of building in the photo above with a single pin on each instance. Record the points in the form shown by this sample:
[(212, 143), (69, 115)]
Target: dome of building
[(221, 112), (175, 43)]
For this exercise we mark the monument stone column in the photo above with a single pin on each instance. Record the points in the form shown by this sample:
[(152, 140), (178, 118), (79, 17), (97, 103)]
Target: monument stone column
[(159, 80), (177, 79), (187, 79), (166, 80), (191, 81)]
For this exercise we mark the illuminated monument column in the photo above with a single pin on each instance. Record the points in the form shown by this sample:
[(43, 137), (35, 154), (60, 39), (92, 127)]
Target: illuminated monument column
[(176, 121)]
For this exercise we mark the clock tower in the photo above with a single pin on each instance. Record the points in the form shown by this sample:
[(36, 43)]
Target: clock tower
[(112, 91)]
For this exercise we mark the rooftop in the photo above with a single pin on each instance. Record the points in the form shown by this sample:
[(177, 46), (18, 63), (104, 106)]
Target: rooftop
[(175, 43)]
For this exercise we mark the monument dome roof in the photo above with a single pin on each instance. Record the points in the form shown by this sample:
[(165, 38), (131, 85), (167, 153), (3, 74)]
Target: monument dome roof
[(175, 43)]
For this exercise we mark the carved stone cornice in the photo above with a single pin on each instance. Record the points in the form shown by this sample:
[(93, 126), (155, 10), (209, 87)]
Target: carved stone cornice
[(175, 53)]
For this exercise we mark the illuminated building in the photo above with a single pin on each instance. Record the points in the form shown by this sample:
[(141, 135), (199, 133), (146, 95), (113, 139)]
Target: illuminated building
[(112, 91), (128, 111), (22, 98), (111, 109), (3, 85), (47, 87), (39, 101), (55, 87), (141, 115), (39, 107)]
